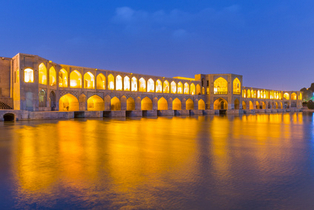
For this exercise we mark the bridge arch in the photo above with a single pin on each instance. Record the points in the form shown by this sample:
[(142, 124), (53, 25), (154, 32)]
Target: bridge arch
[(166, 87), (192, 89), (186, 88), (52, 76), (189, 104), (220, 103), (101, 81), (257, 105), (130, 104), (173, 87), (118, 82), (134, 84), (220, 86), (146, 104), (9, 117), (251, 105), (201, 104), (162, 104), (89, 80), (236, 86), (115, 104), (142, 85), (63, 78), (95, 103), (180, 88), (42, 71), (68, 102), (243, 105), (110, 82), (75, 79), (150, 85), (28, 75), (127, 83), (236, 104), (176, 104)]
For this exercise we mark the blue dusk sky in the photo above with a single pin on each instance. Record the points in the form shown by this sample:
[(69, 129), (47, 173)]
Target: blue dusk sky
[(270, 43)]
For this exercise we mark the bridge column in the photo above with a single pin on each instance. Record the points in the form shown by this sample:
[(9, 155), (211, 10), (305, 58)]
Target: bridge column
[(155, 103), (138, 104), (169, 104), (195, 104)]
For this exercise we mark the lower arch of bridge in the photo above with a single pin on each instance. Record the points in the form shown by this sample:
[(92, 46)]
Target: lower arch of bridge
[(146, 104), (276, 105), (236, 104), (176, 104), (201, 104), (263, 105), (257, 105), (130, 104), (281, 105), (8, 117), (243, 105), (68, 102), (189, 104), (115, 104), (162, 104), (220, 103), (95, 103), (251, 105)]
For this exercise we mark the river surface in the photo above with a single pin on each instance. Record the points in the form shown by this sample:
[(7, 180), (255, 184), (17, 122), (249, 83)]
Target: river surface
[(263, 161)]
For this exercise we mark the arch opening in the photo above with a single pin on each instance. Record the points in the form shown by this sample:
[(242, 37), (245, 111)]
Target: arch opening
[(42, 77), (158, 86), (220, 104), (68, 102), (89, 80), (101, 81), (201, 104), (110, 82), (127, 83), (130, 104), (162, 104), (52, 76), (63, 78), (115, 104), (236, 104), (166, 87), (8, 117), (28, 75), (95, 103), (176, 104), (236, 86), (146, 104), (220, 86), (75, 79)]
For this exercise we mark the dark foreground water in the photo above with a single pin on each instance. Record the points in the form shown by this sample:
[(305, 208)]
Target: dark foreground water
[(248, 162)]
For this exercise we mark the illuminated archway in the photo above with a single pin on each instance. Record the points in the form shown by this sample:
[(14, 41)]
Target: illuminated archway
[(162, 104), (243, 105), (244, 93), (134, 84), (293, 96), (142, 85), (28, 75), (257, 105), (89, 81), (176, 104), (201, 104), (236, 86), (251, 105), (127, 83), (180, 88), (253, 94), (220, 103), (150, 86), (166, 86), (220, 86), (236, 104), (146, 104), (192, 89), (198, 89), (286, 96), (68, 102), (130, 104), (63, 78), (115, 104), (258, 94), (249, 93), (75, 79), (276, 105), (110, 82), (173, 87), (158, 86), (263, 105), (118, 82), (52, 76), (186, 88), (95, 103), (189, 104), (101, 81), (42, 79)]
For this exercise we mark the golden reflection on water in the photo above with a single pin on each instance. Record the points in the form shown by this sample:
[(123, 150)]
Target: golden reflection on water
[(125, 160)]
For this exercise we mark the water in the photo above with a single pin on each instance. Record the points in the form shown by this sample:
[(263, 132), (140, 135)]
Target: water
[(249, 162)]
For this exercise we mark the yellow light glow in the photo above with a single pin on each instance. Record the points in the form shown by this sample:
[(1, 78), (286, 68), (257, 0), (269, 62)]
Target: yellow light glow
[(236, 86), (286, 96), (75, 79), (192, 89), (101, 81), (111, 82), (220, 103), (293, 96), (63, 78), (198, 89), (126, 83), (180, 88), (248, 93), (52, 76), (42, 74), (29, 75), (300, 96), (158, 86), (244, 93), (89, 80), (162, 104), (220, 86), (118, 82), (150, 86), (134, 84), (186, 88), (68, 102), (176, 104), (166, 87), (201, 105), (142, 85), (173, 87), (95, 103)]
